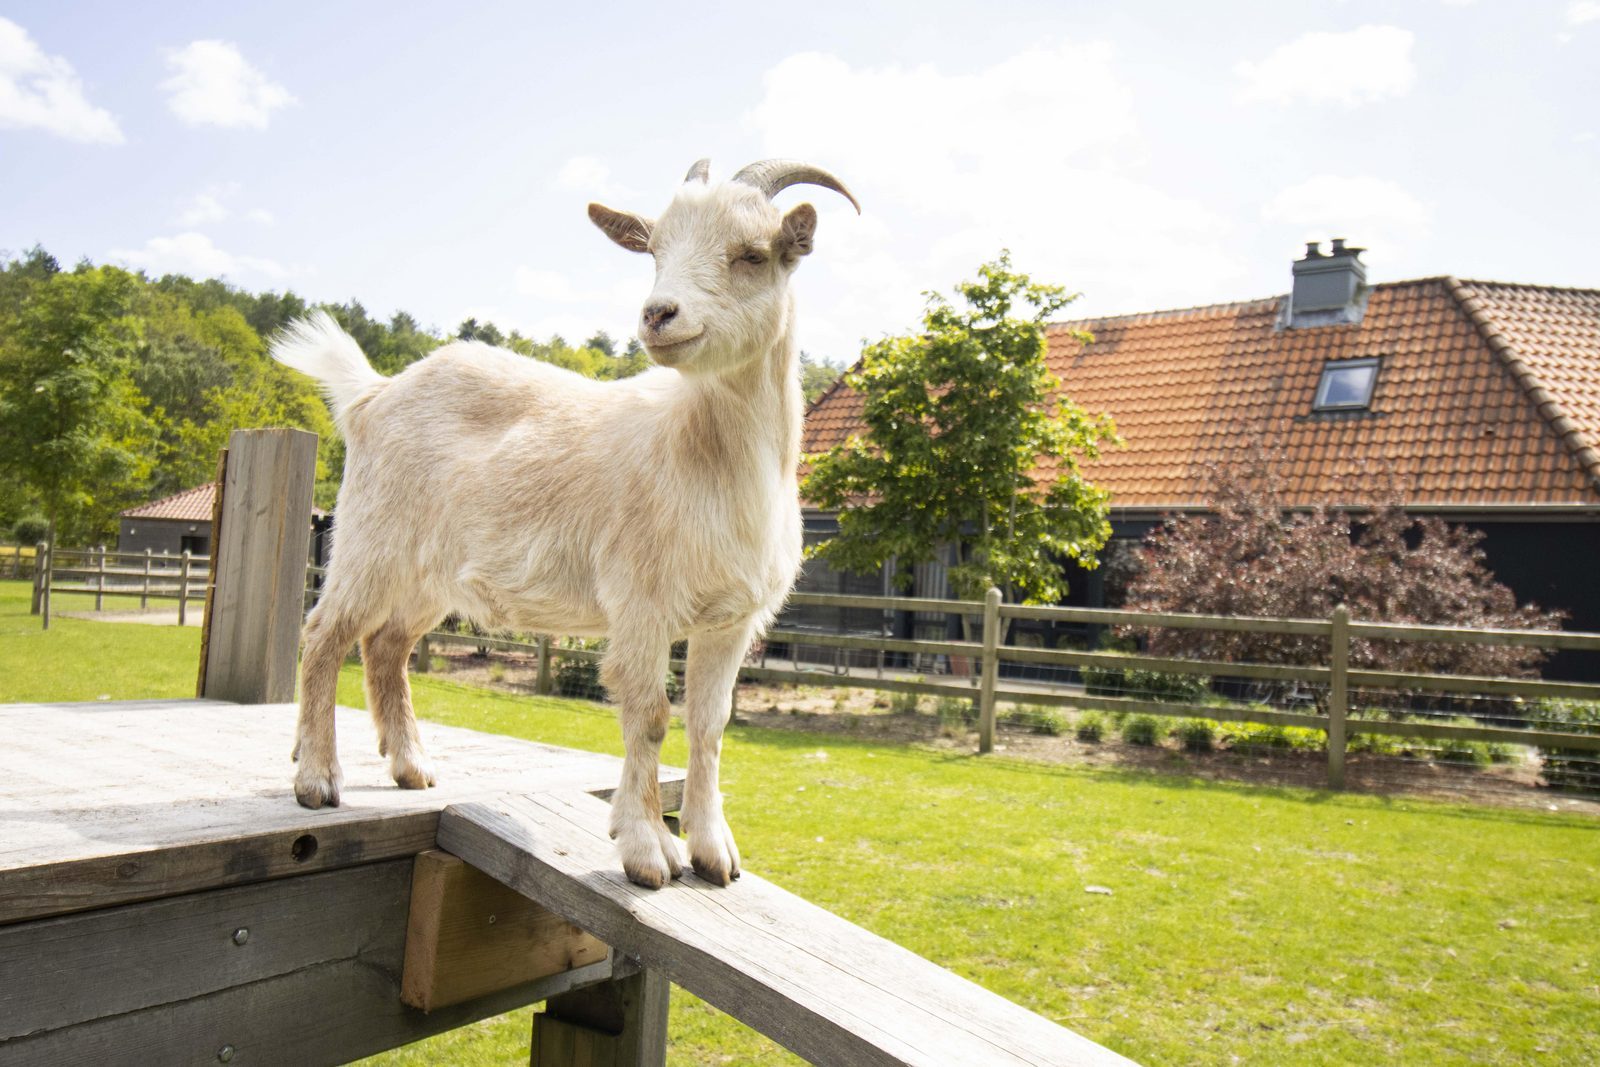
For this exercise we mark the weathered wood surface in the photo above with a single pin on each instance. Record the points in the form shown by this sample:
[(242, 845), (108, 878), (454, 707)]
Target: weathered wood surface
[(259, 566), (467, 936), (620, 1023), (73, 969), (819, 985), (107, 803)]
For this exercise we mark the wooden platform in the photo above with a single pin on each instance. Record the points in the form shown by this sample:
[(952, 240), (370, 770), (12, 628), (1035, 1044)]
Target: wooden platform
[(163, 900)]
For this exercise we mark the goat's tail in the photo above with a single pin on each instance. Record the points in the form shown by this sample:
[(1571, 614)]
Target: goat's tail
[(317, 347)]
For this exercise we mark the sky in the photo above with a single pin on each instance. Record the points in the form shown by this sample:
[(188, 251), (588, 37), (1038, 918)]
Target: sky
[(437, 159)]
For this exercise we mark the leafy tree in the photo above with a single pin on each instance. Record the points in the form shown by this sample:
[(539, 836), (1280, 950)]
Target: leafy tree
[(602, 342), (73, 428), (816, 375), (961, 420), (1251, 555)]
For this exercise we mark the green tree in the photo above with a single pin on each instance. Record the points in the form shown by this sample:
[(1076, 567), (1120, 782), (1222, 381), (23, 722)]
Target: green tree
[(966, 446), (73, 426), (816, 375)]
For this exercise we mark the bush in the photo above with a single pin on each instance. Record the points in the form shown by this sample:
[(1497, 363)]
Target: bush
[(905, 703), (956, 713), (30, 529), (1271, 736), (1141, 730), (1571, 768), (1037, 719), (1196, 735), (1091, 726), (1145, 685), (579, 677)]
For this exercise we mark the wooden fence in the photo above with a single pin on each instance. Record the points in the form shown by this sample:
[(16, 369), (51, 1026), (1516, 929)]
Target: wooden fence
[(17, 561), (986, 686), (98, 573)]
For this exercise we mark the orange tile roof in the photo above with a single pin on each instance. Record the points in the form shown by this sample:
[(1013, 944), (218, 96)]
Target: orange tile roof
[(191, 505), (1487, 394)]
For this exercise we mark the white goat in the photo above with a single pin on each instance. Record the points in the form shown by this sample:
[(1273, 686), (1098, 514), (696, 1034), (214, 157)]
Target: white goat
[(518, 494)]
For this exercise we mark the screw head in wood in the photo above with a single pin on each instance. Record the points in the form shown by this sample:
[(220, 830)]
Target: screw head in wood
[(225, 1054), (241, 935)]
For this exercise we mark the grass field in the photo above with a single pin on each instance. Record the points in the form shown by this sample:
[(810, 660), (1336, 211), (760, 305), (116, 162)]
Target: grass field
[(1244, 925)]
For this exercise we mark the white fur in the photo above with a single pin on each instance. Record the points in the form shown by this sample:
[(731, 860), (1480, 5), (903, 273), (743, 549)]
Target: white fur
[(651, 509)]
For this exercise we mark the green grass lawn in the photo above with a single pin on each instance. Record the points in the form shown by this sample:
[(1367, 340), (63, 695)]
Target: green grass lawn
[(1244, 924)]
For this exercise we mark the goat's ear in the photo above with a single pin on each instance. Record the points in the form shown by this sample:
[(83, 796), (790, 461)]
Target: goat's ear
[(624, 227), (794, 237)]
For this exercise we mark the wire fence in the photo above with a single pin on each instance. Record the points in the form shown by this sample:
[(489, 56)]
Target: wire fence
[(1084, 679)]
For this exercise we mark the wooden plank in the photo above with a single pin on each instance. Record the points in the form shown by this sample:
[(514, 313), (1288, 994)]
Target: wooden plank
[(822, 987), (990, 669), (1533, 688), (467, 936), (60, 972), (1174, 620), (1394, 631), (1212, 668), (887, 603), (621, 1023), (182, 795), (874, 644), (1338, 694), (260, 564), (324, 1014), (209, 616), (1450, 731), (857, 681), (1221, 713)]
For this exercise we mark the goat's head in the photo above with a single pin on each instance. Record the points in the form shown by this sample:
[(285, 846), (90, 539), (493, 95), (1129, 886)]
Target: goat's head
[(723, 257)]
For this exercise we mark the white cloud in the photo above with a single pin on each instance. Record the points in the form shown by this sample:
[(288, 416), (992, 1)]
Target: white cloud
[(1364, 209), (1362, 66), (1582, 11), (591, 177), (195, 255), (204, 208), (544, 285), (261, 216), (1040, 153), (213, 85), (39, 91)]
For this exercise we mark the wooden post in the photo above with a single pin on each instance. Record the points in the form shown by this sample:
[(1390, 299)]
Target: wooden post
[(45, 565), (1338, 694), (183, 590), (144, 593), (423, 652), (991, 669), (541, 685), (620, 1023), (258, 566), (100, 581), (40, 575)]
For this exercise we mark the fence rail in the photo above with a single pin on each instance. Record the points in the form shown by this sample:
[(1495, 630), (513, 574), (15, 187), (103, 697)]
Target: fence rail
[(1335, 684), (99, 573)]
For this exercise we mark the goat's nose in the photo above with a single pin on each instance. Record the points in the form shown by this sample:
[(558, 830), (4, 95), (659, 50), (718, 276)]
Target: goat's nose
[(658, 315)]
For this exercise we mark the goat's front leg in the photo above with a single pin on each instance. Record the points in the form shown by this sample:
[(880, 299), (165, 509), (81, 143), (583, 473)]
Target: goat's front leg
[(714, 660), (634, 673)]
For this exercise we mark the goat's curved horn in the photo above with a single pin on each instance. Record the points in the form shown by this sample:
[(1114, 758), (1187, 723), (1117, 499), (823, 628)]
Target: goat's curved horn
[(772, 175), (700, 172)]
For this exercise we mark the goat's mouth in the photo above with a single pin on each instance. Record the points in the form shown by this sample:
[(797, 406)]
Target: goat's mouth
[(670, 352)]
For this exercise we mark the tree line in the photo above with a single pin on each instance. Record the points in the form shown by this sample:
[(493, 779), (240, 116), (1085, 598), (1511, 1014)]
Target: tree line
[(117, 388)]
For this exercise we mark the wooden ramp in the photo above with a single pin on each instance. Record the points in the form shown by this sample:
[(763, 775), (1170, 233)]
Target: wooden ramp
[(817, 984)]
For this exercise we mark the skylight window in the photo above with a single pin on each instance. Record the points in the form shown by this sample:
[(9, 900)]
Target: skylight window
[(1346, 385)]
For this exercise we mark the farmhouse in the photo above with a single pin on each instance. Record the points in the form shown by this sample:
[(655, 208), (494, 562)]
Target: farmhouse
[(181, 523), (1480, 399)]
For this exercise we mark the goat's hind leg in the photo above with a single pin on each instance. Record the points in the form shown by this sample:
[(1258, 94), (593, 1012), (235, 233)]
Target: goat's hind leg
[(384, 654), (634, 672), (329, 633)]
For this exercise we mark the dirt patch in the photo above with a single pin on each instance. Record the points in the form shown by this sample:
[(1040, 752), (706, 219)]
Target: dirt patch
[(875, 716), (153, 617)]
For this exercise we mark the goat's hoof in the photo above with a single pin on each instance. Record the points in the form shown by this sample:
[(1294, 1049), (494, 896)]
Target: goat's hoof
[(714, 856), (649, 855), (315, 791), (413, 773)]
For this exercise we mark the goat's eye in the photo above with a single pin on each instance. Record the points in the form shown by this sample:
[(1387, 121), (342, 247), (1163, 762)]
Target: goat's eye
[(752, 257)]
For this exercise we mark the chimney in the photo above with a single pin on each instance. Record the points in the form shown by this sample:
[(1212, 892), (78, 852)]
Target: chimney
[(1329, 290)]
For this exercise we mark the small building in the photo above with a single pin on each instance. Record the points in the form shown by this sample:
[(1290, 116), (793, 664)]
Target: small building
[(172, 525), (1480, 400)]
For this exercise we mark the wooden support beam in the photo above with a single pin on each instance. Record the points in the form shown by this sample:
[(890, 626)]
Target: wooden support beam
[(468, 936), (620, 1023), (259, 566)]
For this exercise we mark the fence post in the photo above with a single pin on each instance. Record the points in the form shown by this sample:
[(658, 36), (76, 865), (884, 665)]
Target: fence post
[(423, 652), (258, 566), (542, 683), (100, 581), (1338, 693), (144, 595), (991, 669), (183, 590), (41, 574), (44, 594)]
